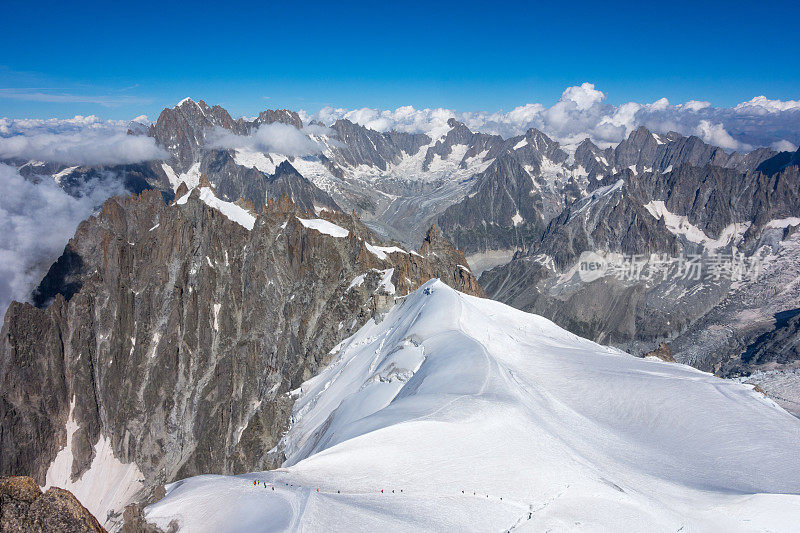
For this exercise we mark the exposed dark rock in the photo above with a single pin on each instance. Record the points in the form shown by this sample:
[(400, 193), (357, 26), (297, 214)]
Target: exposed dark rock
[(461, 134), (362, 146), (725, 204), (63, 278), (503, 210), (524, 187), (663, 352), (186, 332), (23, 509), (644, 151), (779, 345)]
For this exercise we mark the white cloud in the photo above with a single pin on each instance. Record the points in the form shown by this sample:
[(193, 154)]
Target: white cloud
[(715, 134), (784, 146), (583, 96), (762, 104), (82, 148), (659, 105), (276, 138), (582, 111), (695, 105), (27, 126), (37, 220), (81, 140)]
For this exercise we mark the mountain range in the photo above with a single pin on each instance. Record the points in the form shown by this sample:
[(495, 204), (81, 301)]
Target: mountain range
[(263, 298)]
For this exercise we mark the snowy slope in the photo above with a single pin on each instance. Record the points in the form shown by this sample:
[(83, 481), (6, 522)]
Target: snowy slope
[(539, 428)]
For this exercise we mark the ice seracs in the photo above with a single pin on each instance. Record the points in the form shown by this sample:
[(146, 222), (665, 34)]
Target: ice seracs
[(489, 418)]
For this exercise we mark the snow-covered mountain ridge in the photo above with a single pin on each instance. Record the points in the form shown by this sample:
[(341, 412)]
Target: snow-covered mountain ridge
[(459, 413)]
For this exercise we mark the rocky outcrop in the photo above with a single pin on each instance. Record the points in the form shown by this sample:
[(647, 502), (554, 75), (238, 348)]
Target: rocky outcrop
[(779, 162), (663, 352), (182, 130), (717, 218), (171, 336), (527, 184), (610, 218), (233, 181), (357, 145), (712, 198), (460, 134), (647, 151), (24, 509), (185, 131), (282, 116), (450, 261), (504, 210)]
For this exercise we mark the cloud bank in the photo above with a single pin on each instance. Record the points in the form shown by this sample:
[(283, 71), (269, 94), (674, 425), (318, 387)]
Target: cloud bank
[(275, 138), (37, 220), (82, 148), (77, 141), (582, 111)]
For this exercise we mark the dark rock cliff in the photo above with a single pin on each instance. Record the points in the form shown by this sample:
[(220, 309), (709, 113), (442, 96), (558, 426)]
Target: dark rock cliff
[(178, 333)]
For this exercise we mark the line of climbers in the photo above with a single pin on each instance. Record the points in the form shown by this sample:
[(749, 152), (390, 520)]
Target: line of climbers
[(258, 482)]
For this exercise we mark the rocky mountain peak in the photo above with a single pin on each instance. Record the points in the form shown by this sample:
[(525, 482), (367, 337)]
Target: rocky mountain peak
[(183, 334), (284, 168), (182, 130), (460, 134), (283, 116), (359, 145)]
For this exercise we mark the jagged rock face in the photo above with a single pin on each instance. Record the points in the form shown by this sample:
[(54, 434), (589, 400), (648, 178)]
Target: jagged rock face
[(503, 210), (24, 509), (714, 324), (779, 162), (390, 178), (533, 148), (363, 146), (527, 184), (286, 181), (235, 181), (282, 116), (780, 345), (524, 187), (645, 150), (182, 130), (610, 218), (592, 159), (178, 333), (460, 134), (713, 198)]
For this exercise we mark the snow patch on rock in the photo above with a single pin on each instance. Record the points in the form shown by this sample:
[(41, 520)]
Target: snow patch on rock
[(324, 226), (108, 486)]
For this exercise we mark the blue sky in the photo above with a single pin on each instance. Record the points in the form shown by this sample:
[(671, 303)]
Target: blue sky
[(122, 59)]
